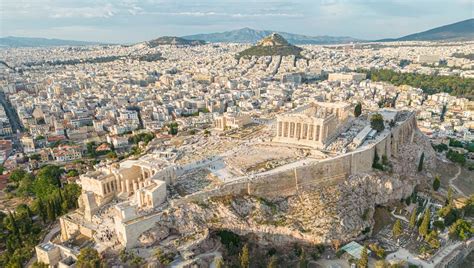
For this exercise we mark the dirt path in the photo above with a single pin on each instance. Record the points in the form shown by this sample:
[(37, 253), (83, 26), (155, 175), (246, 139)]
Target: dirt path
[(451, 184)]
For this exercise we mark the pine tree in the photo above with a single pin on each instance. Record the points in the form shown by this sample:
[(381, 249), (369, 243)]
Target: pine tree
[(420, 164), (425, 224), (364, 259), (244, 257), (436, 183), (397, 229), (50, 212), (413, 218)]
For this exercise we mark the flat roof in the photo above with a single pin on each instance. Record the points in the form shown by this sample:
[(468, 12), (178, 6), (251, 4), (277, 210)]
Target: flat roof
[(354, 249), (47, 246)]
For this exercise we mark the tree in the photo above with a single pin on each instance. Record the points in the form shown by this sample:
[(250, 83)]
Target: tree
[(376, 122), (450, 196), (397, 229), (303, 263), (420, 163), (425, 224), (381, 264), (112, 155), (364, 259), (219, 262), (461, 230), (412, 223), (375, 162), (39, 265), (89, 258), (17, 175), (244, 257), (273, 262), (358, 109), (433, 240), (436, 183)]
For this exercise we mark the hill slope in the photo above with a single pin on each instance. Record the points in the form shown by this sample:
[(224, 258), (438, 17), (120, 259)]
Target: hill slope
[(173, 40), (247, 35), (272, 45), (459, 31), (12, 41)]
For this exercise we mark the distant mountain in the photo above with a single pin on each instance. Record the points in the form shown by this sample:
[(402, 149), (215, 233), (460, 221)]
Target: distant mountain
[(173, 40), (272, 45), (12, 41), (459, 31), (247, 35)]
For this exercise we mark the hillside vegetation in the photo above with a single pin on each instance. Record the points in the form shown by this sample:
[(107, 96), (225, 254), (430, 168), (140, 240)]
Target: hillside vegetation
[(431, 84)]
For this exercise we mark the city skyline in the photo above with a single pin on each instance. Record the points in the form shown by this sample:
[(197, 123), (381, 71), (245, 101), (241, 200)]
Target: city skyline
[(107, 21)]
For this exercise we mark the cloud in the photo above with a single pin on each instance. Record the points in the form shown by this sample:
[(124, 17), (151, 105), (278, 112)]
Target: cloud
[(223, 14), (106, 11)]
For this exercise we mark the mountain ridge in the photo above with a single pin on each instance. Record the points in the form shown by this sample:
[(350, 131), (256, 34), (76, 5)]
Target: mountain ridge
[(248, 35), (174, 40), (457, 31), (16, 41)]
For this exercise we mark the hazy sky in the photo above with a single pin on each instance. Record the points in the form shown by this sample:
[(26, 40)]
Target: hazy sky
[(139, 20)]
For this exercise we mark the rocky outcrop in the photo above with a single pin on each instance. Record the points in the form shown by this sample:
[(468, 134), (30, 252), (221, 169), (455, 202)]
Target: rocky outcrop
[(316, 213)]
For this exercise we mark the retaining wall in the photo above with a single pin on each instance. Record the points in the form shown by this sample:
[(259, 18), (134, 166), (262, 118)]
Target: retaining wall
[(288, 182)]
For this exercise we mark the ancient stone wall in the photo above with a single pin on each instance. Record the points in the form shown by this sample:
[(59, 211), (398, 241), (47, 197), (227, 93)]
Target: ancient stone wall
[(130, 231), (288, 182)]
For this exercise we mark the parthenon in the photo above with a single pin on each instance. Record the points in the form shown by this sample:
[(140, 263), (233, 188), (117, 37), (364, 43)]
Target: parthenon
[(312, 125)]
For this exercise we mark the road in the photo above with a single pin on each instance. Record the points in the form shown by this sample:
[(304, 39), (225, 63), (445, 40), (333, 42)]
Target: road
[(11, 113)]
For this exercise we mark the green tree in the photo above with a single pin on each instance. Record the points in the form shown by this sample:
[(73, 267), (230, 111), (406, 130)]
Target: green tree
[(425, 224), (72, 173), (397, 229), (112, 155), (273, 263), (461, 230), (358, 109), (17, 175), (39, 265), (303, 262), (244, 257), (364, 259), (89, 258), (219, 262), (381, 264), (433, 240), (420, 163), (412, 223), (450, 196), (436, 183), (376, 122)]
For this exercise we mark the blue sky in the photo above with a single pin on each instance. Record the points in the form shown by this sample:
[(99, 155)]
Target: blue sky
[(139, 20)]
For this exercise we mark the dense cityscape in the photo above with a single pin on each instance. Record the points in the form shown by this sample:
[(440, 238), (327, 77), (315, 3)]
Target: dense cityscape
[(186, 153)]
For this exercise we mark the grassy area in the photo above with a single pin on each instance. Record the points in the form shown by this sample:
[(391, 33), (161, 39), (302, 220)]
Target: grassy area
[(465, 181), (446, 171)]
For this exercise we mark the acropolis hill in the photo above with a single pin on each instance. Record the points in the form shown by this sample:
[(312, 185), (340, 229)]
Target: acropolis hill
[(306, 176)]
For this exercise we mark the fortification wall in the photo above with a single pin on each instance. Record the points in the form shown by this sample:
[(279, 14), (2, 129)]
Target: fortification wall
[(129, 232), (330, 171)]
